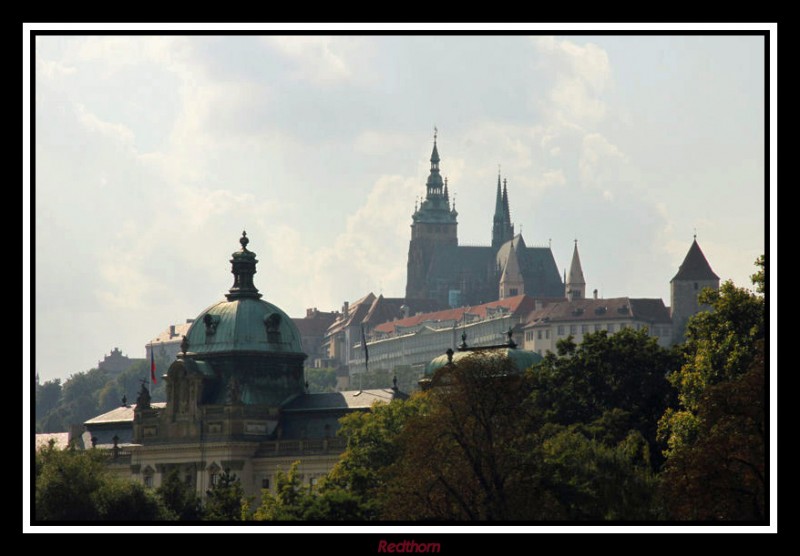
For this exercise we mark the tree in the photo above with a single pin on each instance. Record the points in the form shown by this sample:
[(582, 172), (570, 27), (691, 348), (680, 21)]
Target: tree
[(372, 446), (65, 483), (715, 433), (123, 500), (47, 397), (611, 384), (469, 455), (224, 499), (179, 498)]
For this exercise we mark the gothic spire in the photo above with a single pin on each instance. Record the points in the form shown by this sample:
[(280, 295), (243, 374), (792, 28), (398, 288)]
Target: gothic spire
[(434, 183), (575, 283), (506, 209)]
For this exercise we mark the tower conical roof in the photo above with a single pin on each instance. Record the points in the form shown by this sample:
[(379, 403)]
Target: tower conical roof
[(695, 266)]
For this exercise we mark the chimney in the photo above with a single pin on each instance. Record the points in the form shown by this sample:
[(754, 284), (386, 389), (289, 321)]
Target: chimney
[(346, 309), (595, 293), (189, 321), (171, 330)]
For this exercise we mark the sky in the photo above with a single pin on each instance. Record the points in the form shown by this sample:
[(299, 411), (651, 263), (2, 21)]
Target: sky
[(152, 153)]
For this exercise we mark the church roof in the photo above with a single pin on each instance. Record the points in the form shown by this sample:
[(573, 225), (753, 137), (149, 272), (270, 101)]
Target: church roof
[(695, 266)]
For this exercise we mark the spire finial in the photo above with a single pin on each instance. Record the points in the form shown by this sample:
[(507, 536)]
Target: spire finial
[(576, 242), (243, 240), (435, 133), (695, 234), (550, 242)]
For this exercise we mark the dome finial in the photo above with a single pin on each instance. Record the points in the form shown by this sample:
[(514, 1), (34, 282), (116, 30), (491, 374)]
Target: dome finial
[(243, 267)]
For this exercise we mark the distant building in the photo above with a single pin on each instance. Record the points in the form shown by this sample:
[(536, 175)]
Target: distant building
[(312, 335), (585, 316), (578, 316), (366, 314), (415, 341), (167, 344), (440, 269), (116, 363)]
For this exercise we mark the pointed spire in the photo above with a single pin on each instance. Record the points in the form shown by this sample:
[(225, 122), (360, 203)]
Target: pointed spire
[(695, 266), (434, 183), (243, 267), (506, 209), (575, 284), (498, 204)]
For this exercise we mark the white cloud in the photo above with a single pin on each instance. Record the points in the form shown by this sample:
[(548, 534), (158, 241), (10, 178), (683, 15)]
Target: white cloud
[(109, 130), (580, 74), (318, 59)]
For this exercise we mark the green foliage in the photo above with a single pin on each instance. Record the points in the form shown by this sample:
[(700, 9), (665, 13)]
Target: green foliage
[(294, 502), (720, 346), (721, 473), (48, 395), (716, 457), (289, 501), (224, 500), (123, 500), (321, 380), (179, 498), (87, 394), (372, 446), (611, 383), (66, 481), (591, 480)]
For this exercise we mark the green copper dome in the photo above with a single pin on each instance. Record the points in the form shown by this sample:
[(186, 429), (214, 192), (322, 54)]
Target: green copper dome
[(243, 322), (251, 325), (522, 359)]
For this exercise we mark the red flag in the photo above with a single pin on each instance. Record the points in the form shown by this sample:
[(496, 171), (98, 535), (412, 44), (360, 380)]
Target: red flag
[(152, 366)]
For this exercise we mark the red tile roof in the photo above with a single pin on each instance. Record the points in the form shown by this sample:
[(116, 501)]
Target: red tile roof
[(519, 304)]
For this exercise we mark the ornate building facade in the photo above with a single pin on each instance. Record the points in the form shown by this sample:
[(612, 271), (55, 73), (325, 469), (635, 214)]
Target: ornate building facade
[(236, 400)]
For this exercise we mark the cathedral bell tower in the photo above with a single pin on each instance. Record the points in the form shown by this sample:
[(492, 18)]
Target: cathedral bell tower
[(434, 224)]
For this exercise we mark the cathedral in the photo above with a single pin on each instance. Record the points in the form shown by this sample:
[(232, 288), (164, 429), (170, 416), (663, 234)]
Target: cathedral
[(457, 275)]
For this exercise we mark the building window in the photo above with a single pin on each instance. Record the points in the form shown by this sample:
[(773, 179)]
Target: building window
[(264, 483), (547, 334), (539, 335), (597, 327), (214, 479), (695, 286), (312, 481), (584, 329), (148, 481), (611, 328), (512, 292), (573, 329), (560, 329)]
